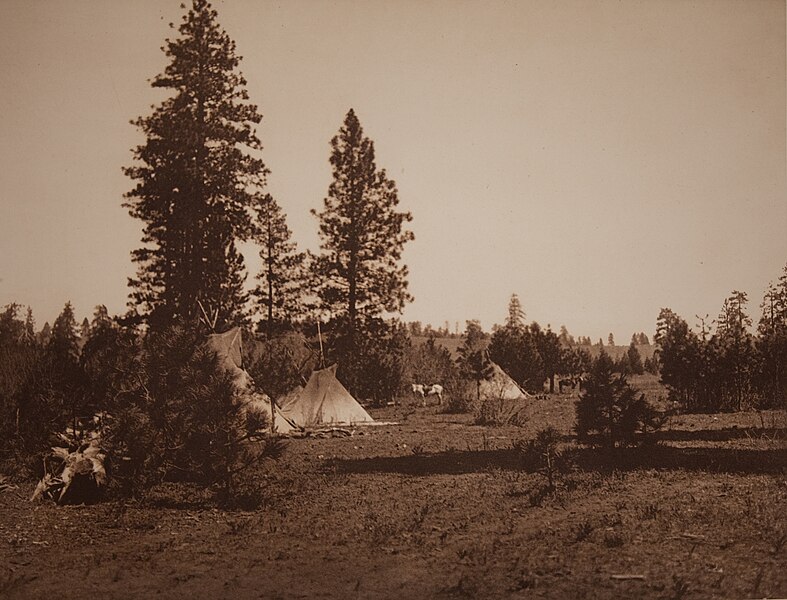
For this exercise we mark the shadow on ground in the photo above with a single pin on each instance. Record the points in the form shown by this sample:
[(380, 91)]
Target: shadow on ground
[(658, 456), (722, 435)]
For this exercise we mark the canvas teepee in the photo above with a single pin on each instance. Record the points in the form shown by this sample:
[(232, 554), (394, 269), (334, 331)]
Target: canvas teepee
[(227, 347), (324, 401), (501, 387)]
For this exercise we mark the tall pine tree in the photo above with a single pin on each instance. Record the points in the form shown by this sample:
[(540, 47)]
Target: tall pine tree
[(280, 289), (195, 176), (772, 344), (358, 274)]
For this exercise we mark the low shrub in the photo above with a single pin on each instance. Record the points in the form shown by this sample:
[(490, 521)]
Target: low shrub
[(543, 455), (501, 411)]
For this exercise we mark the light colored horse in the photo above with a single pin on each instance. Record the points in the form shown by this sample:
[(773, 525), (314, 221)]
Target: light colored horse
[(422, 391), (419, 392), (435, 390)]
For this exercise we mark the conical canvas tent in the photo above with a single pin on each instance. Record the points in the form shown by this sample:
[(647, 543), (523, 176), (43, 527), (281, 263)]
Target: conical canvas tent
[(227, 347), (501, 387), (324, 401)]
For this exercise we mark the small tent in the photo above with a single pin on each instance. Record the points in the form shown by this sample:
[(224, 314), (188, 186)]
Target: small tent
[(501, 387), (228, 349), (324, 401)]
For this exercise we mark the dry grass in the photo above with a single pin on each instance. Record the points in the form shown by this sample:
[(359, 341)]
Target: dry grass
[(439, 507)]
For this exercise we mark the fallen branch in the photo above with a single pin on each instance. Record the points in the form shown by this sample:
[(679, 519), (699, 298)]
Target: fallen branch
[(692, 536), (627, 577)]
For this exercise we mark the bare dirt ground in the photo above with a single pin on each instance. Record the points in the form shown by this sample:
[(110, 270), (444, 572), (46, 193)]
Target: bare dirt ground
[(436, 507)]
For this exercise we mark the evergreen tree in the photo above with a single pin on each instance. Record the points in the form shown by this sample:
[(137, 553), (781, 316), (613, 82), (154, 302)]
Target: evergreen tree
[(18, 358), (104, 355), (474, 363), (84, 330), (11, 328), (566, 339), (514, 349), (101, 318), (54, 393), (634, 360), (45, 334), (29, 331), (358, 274), (651, 365), (772, 345), (516, 314), (280, 290), (611, 340), (612, 409), (431, 363), (735, 347), (64, 342), (678, 352), (195, 179)]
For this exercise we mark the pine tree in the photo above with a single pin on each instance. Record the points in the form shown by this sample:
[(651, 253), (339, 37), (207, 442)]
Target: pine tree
[(548, 346), (566, 339), (473, 361), (772, 344), (195, 179), (610, 408), (679, 356), (45, 334), (11, 328), (516, 314), (30, 328), (634, 360), (280, 290), (735, 346), (515, 350), (64, 342), (84, 330), (358, 274)]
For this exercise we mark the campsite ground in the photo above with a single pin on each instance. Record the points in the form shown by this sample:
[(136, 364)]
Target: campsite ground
[(436, 507)]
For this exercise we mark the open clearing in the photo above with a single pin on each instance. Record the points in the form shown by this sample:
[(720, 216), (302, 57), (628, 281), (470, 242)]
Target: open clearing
[(435, 507)]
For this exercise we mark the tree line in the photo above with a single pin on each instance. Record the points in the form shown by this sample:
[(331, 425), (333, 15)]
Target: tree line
[(725, 366)]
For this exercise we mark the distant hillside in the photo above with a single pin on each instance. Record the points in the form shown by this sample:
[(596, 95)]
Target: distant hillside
[(452, 344), (645, 350)]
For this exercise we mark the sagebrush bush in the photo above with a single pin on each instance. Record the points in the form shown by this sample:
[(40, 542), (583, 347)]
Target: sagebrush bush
[(501, 411), (460, 397)]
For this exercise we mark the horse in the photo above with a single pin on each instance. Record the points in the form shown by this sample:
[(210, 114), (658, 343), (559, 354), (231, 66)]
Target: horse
[(422, 391), (419, 392), (434, 390)]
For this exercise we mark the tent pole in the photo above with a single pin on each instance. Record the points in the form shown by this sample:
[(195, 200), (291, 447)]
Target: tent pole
[(322, 356)]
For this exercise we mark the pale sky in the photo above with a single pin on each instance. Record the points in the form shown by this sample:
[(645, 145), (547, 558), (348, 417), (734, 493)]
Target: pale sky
[(600, 159)]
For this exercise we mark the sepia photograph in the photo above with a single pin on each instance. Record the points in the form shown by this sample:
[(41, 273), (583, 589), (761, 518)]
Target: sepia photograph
[(393, 299)]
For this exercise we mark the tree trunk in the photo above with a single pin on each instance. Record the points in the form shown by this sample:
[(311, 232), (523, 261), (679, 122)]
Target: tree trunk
[(270, 283)]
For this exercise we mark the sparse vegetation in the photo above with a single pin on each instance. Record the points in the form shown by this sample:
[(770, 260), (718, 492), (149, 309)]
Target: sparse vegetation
[(433, 502), (543, 454)]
